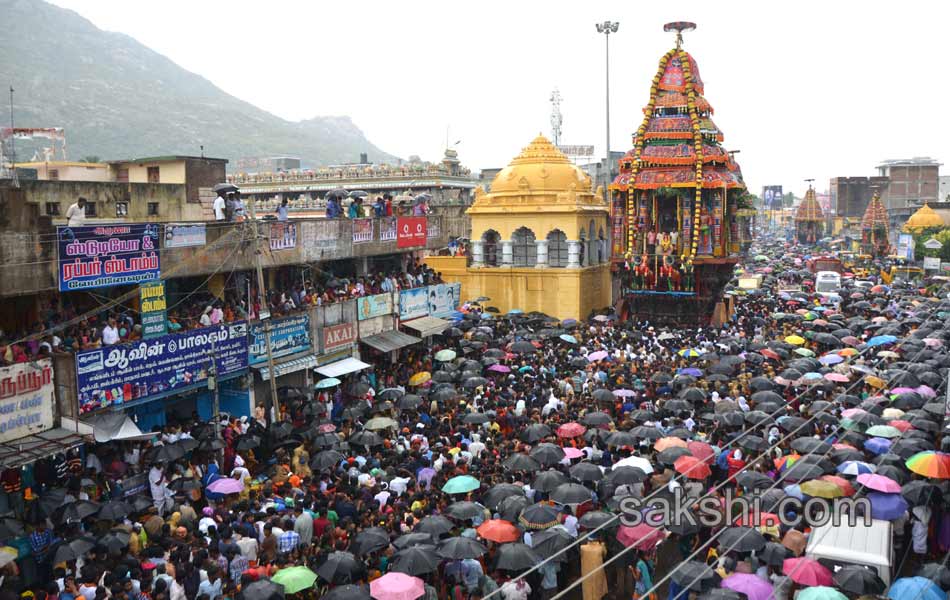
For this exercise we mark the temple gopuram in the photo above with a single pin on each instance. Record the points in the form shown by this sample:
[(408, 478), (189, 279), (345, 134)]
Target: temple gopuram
[(680, 213), (809, 219), (875, 230)]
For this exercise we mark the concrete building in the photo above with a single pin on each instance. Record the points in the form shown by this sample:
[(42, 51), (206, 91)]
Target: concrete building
[(68, 171), (850, 195), (911, 183), (943, 188)]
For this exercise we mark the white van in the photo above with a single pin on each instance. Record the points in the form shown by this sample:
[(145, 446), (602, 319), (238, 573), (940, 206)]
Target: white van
[(844, 546), (827, 281)]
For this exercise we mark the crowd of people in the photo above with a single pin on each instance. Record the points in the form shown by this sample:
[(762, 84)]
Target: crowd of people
[(496, 463)]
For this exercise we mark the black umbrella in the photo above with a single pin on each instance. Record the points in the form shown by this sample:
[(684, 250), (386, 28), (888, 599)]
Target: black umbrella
[(434, 525), (516, 556), (596, 418), (773, 554), (340, 567), (498, 492), (753, 443), (669, 456), (263, 589), (810, 445), (278, 431), (464, 510), (116, 540), (521, 462), (366, 438), (936, 572), (593, 519), (348, 592), (416, 560), (10, 528), (919, 493), (409, 402), (66, 553), (549, 542), (585, 471), (412, 539), (141, 503), (547, 481), (721, 594), (116, 510), (751, 480), (325, 440), (858, 580), (461, 548), (731, 419), (741, 539), (224, 188), (802, 471), (511, 507), (603, 396), (646, 433), (370, 540), (248, 442), (621, 438), (539, 516), (547, 454), (165, 453), (571, 493), (75, 511), (326, 460), (523, 348), (694, 575)]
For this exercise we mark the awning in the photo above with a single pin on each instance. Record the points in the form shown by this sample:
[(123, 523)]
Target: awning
[(286, 366), (390, 340), (111, 426), (427, 326), (342, 367), (38, 446)]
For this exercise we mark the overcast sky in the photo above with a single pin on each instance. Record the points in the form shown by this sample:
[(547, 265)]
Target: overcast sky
[(804, 89)]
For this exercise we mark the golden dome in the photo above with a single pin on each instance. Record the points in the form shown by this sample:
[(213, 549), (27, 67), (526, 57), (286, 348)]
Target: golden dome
[(541, 169), (924, 218)]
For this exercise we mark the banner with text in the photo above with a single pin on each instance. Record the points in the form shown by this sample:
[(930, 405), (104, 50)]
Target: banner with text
[(362, 231), (374, 306), (772, 197), (283, 235), (387, 229), (444, 299), (26, 399), (287, 336), (107, 255), (411, 232), (139, 370), (152, 305), (182, 235), (413, 303), (336, 337)]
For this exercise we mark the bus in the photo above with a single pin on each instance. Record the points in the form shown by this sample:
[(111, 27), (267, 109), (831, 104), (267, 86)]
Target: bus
[(827, 281)]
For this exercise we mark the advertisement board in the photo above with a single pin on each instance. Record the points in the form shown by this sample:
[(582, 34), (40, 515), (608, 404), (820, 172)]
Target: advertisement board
[(338, 336), (288, 336), (444, 299), (26, 399), (374, 306), (387, 229), (931, 263), (152, 305), (413, 303), (183, 235), (143, 369), (411, 231), (772, 197), (107, 255), (362, 231), (905, 246), (283, 235), (581, 151)]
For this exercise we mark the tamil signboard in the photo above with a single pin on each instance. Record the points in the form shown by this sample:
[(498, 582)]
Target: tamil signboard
[(283, 235), (378, 305), (387, 229), (575, 151), (931, 263), (107, 255), (336, 337), (152, 305), (26, 399), (444, 299), (413, 303), (411, 232), (362, 231), (287, 336), (146, 369), (183, 235)]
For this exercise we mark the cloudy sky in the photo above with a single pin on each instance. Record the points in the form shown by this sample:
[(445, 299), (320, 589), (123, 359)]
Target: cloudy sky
[(806, 89)]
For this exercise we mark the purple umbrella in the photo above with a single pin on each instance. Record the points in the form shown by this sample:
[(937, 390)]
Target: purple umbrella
[(887, 506), (599, 355), (902, 390), (624, 393), (831, 359), (691, 371), (877, 446), (225, 485), (499, 369), (752, 586), (925, 391)]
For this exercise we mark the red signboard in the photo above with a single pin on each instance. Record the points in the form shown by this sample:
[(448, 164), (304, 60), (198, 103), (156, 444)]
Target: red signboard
[(411, 231), (338, 336)]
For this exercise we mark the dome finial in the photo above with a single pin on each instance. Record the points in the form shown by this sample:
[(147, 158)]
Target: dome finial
[(679, 27)]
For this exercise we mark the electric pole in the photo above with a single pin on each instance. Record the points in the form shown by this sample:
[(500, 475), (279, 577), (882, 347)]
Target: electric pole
[(264, 316)]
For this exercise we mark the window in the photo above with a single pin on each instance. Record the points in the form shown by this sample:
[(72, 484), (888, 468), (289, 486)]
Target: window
[(53, 174), (592, 246), (153, 209), (122, 175), (91, 210), (52, 209), (121, 209), (524, 251), (557, 249), (490, 247), (153, 175)]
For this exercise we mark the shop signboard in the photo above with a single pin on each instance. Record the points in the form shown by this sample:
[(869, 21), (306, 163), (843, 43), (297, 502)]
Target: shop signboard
[(289, 335), (362, 231), (411, 232), (387, 229), (144, 369), (413, 303), (99, 256), (152, 306), (283, 235), (338, 336), (183, 235), (444, 299), (26, 399), (931, 263), (374, 306)]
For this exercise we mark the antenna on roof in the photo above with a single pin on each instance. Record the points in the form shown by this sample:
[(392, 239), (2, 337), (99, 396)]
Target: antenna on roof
[(679, 27)]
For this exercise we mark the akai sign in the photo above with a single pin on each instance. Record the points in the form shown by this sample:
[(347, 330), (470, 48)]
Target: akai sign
[(411, 231), (338, 336)]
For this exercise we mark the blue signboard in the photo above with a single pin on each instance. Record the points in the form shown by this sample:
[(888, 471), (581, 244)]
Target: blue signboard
[(147, 369), (413, 303), (287, 336), (98, 256), (444, 299)]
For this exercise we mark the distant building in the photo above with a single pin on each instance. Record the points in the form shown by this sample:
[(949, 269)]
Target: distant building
[(270, 164), (68, 171), (943, 188), (911, 183), (487, 176), (850, 195), (194, 172)]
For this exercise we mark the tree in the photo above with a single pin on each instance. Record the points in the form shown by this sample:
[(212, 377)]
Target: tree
[(92, 158), (788, 200)]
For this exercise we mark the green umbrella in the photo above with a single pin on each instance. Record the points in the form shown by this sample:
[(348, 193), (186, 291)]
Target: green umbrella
[(820, 592), (804, 352), (329, 382), (883, 431), (461, 485), (445, 355), (295, 579), (378, 423)]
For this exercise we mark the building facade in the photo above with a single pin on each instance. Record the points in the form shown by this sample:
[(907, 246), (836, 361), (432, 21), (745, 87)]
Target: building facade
[(911, 183)]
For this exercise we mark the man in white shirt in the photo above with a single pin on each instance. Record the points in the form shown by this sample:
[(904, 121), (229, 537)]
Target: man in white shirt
[(76, 213), (110, 333), (156, 480), (218, 207)]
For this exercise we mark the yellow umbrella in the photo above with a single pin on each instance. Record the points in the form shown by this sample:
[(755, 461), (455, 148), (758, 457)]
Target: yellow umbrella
[(795, 340), (875, 381), (821, 489), (420, 378)]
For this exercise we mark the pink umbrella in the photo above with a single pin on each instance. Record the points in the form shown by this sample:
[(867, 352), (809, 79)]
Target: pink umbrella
[(933, 342), (595, 356), (879, 483), (807, 571), (701, 450), (755, 588), (782, 381), (499, 369), (573, 453), (396, 586), (225, 485), (852, 412), (925, 391), (571, 430), (326, 428), (837, 377), (641, 537), (902, 390)]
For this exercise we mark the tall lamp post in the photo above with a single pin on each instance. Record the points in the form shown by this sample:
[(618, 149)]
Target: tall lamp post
[(606, 28)]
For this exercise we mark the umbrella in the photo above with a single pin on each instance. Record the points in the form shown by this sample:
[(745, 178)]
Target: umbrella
[(539, 516), (461, 484), (935, 572), (547, 481), (585, 471), (741, 539), (858, 580), (370, 540), (641, 537), (445, 355), (516, 556), (225, 485), (396, 586), (224, 188), (594, 519), (434, 525), (460, 548), (818, 488), (915, 588), (263, 589), (348, 592), (920, 493), (365, 438), (807, 571), (694, 575), (773, 553), (692, 467), (379, 423), (329, 382), (820, 592), (570, 493), (75, 511), (521, 462), (325, 460), (721, 594), (412, 539), (571, 430), (340, 567), (879, 483), (464, 509), (416, 560), (752, 586), (420, 378), (886, 506), (10, 528), (498, 530), (295, 579), (551, 541), (117, 510), (165, 453), (547, 454), (935, 465)]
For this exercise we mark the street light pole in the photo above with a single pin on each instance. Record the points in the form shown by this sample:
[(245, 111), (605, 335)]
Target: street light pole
[(606, 28)]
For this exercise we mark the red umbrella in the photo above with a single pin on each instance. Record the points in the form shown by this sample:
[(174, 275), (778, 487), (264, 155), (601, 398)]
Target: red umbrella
[(641, 537), (807, 571), (763, 519), (498, 530), (901, 425), (571, 430), (692, 467), (841, 482), (701, 450), (770, 354)]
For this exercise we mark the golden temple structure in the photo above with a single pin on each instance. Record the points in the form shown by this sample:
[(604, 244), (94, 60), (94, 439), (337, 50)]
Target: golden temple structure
[(924, 218), (539, 239)]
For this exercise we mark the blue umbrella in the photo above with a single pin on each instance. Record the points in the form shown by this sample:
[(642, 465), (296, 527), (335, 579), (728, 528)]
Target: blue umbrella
[(887, 506), (877, 446), (515, 311), (691, 371), (329, 382), (831, 359), (569, 322), (456, 316), (525, 369), (880, 340), (570, 339), (916, 588), (855, 467), (794, 491)]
